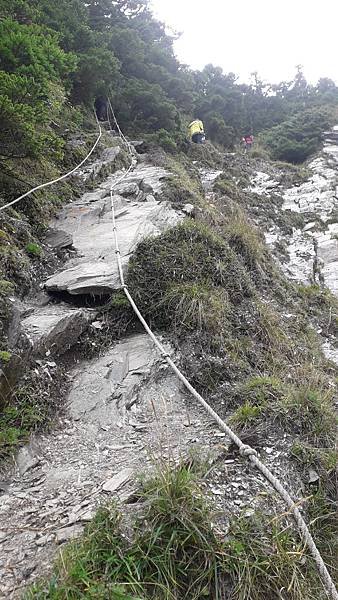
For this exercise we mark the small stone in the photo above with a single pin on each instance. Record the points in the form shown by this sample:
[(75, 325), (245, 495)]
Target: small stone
[(116, 482), (26, 460), (313, 476), (188, 209), (68, 533), (217, 492), (97, 324), (43, 540)]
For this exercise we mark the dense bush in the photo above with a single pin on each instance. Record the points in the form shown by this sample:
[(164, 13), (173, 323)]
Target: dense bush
[(297, 138)]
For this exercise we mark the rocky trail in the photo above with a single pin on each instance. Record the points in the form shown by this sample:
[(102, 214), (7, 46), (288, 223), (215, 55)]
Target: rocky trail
[(125, 411)]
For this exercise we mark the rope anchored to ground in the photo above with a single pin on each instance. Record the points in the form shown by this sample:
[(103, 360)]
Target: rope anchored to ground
[(245, 450)]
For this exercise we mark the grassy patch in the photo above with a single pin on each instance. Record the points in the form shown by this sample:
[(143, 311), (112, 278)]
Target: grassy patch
[(32, 407), (182, 186), (266, 561), (254, 398), (197, 307), (245, 239), (5, 356), (308, 411), (173, 553), (303, 407), (186, 256)]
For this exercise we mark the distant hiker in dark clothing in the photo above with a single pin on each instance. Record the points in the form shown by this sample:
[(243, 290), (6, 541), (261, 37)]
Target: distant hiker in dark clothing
[(101, 108), (196, 130), (248, 142)]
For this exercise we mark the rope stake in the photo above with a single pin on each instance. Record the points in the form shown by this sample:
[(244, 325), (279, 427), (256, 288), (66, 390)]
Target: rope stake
[(244, 450)]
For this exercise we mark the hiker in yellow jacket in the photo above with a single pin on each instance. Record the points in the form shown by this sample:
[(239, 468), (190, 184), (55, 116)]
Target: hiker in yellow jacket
[(196, 130)]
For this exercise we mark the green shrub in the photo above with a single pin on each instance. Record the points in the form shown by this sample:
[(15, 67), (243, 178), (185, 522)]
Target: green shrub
[(33, 249), (5, 356), (299, 136)]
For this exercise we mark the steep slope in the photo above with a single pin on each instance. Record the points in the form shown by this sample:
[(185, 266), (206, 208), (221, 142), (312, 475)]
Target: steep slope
[(240, 331)]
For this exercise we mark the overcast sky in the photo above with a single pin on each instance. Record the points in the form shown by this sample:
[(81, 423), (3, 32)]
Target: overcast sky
[(267, 36)]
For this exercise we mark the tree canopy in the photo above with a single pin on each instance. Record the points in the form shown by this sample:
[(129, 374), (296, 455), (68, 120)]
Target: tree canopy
[(79, 49)]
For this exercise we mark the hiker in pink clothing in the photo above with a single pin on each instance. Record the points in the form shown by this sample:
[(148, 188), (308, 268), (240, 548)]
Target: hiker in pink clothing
[(248, 142)]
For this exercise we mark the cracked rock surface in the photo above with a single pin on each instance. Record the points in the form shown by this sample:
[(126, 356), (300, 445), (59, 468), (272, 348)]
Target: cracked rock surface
[(89, 221)]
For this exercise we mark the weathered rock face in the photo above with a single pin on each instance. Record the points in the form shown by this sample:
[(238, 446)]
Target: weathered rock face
[(55, 328), (93, 170), (318, 196), (100, 386), (313, 250), (58, 239), (208, 177), (89, 221)]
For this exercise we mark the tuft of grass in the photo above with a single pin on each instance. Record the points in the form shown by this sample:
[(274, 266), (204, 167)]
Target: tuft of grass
[(195, 306), (307, 410), (5, 356), (33, 250), (182, 186), (269, 329), (227, 187), (246, 415), (266, 561), (304, 407), (173, 553), (323, 522), (186, 255), (244, 238), (255, 396)]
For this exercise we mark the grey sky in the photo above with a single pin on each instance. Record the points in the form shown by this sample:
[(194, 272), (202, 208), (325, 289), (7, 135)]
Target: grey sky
[(243, 36)]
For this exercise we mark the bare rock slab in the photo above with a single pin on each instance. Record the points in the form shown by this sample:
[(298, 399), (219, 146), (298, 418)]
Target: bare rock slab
[(55, 327), (103, 386), (94, 270)]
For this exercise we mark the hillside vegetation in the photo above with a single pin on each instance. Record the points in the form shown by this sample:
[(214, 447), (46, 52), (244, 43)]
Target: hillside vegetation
[(247, 337), (54, 56)]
